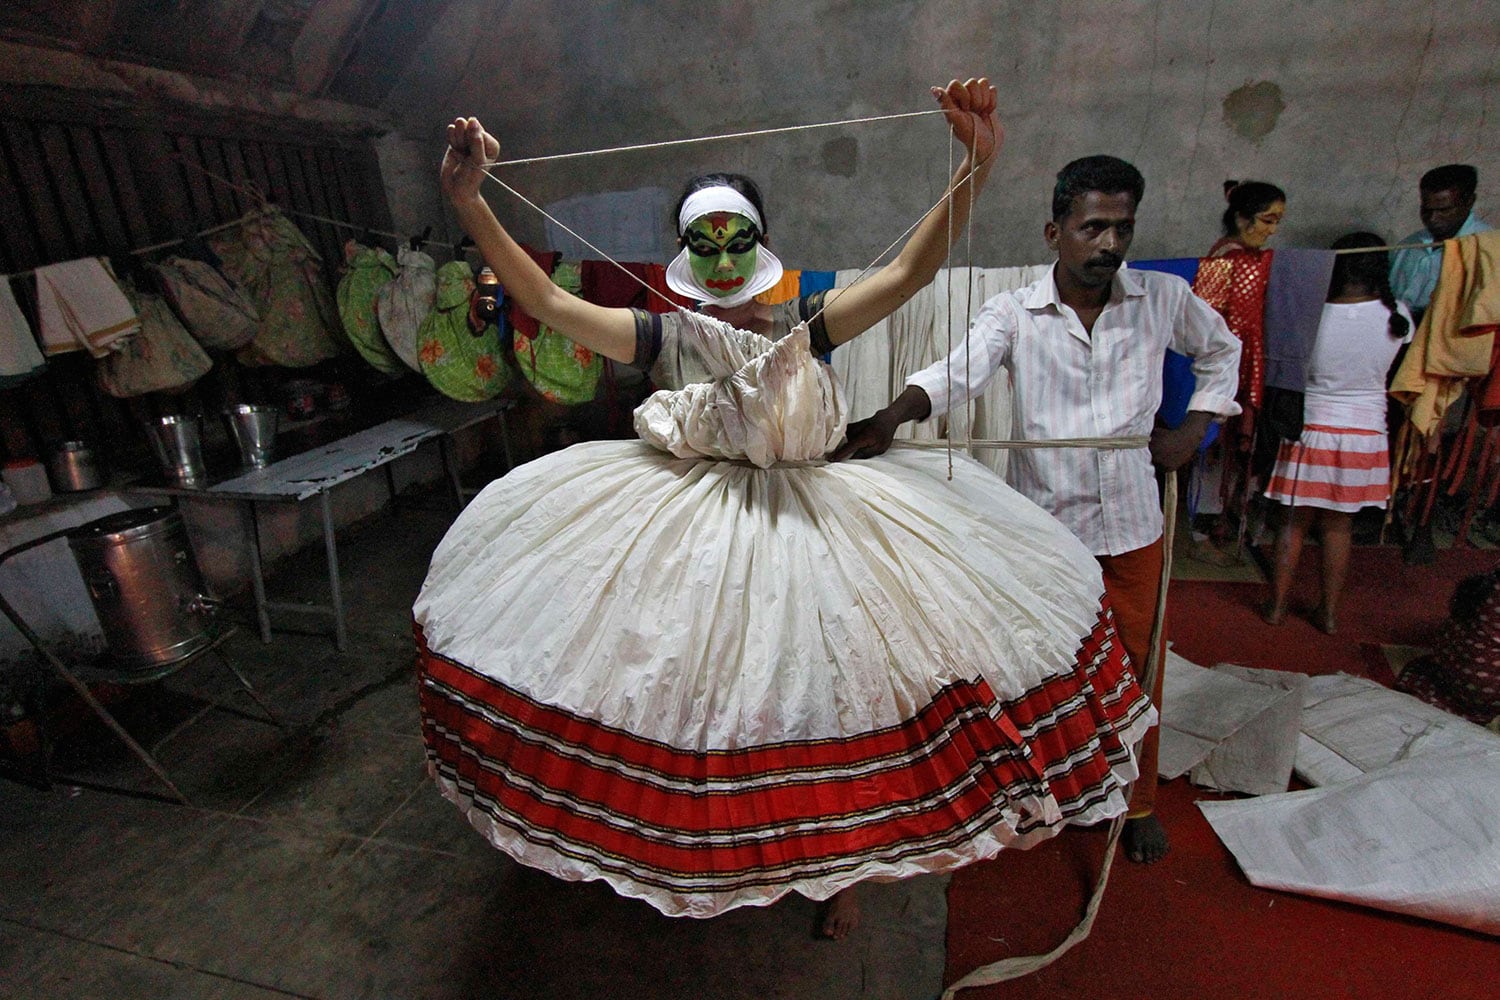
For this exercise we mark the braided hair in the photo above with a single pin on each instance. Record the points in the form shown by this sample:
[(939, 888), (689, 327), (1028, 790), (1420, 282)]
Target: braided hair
[(1370, 270)]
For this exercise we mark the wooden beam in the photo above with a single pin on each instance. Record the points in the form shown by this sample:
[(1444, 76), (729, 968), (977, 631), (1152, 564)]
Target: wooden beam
[(325, 41)]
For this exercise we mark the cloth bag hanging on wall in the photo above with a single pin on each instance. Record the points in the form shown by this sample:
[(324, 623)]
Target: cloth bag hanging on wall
[(368, 270), (162, 357), (401, 305), (561, 370), (216, 312), (458, 363), (269, 257)]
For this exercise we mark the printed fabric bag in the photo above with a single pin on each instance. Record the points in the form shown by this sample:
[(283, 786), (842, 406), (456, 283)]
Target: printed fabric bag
[(459, 364), (561, 370), (369, 269), (402, 305), (270, 258), (215, 311), (162, 357)]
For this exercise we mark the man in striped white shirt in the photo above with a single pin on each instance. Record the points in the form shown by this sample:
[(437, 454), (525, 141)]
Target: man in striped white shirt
[(1084, 347)]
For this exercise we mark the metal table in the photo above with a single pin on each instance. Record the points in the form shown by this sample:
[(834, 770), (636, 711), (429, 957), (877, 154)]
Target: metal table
[(314, 474)]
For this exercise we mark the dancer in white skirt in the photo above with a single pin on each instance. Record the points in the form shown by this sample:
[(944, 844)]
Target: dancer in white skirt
[(1341, 462), (710, 668)]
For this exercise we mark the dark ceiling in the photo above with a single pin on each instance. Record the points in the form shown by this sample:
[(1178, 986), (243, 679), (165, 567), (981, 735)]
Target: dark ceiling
[(346, 50)]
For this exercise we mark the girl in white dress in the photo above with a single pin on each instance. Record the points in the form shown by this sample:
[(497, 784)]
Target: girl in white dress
[(1341, 461)]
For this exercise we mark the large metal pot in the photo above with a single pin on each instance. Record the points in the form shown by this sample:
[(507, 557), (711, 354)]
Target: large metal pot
[(145, 585)]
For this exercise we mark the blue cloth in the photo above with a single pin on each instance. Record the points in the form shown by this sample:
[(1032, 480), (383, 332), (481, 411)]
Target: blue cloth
[(1177, 379), (1185, 268), (815, 281), (1414, 273)]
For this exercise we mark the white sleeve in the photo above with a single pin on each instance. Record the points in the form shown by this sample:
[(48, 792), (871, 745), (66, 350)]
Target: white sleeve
[(963, 374), (1201, 334)]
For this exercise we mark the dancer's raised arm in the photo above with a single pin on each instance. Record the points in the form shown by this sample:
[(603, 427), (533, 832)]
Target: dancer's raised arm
[(610, 332), (970, 110)]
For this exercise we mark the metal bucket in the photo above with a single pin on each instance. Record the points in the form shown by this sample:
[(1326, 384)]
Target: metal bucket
[(144, 582), (177, 441)]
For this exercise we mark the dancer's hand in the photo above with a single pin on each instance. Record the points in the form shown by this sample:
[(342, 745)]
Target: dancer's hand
[(470, 147), (970, 110)]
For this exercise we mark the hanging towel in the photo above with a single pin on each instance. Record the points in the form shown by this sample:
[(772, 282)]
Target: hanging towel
[(369, 270), (664, 300), (788, 288), (815, 281), (1295, 294), (403, 303), (215, 311), (605, 284), (19, 357), (1456, 337), (80, 307)]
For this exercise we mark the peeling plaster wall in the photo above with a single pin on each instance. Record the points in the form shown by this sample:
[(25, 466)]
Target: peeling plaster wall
[(1343, 104)]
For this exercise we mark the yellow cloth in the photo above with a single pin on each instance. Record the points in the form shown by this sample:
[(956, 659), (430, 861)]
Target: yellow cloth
[(788, 288), (1455, 339)]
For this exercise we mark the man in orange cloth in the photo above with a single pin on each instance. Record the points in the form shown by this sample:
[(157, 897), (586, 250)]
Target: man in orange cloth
[(1084, 347)]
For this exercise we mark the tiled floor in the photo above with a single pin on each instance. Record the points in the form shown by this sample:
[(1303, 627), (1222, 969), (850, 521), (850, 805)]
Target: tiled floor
[(321, 862)]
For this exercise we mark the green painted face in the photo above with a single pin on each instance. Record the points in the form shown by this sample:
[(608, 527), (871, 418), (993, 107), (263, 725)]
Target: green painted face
[(722, 251)]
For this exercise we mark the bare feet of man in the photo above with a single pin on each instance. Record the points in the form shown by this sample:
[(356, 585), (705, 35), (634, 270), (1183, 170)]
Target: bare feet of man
[(1145, 840), (839, 915)]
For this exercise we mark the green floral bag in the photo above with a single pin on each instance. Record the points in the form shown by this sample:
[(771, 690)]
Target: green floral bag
[(561, 370), (369, 269), (457, 363)]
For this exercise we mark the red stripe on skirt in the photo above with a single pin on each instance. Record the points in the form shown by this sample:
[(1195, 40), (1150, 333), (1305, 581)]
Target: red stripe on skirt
[(1328, 458), (1304, 489), (924, 783)]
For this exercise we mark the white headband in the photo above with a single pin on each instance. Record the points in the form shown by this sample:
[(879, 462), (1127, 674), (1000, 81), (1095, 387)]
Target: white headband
[(715, 199)]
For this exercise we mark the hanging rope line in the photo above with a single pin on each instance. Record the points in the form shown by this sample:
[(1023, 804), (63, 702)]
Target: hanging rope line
[(710, 138), (1017, 444)]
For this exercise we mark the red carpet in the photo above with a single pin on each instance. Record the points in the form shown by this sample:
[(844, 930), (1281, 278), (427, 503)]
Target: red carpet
[(1192, 926)]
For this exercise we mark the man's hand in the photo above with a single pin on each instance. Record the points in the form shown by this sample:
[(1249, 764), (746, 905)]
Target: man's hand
[(867, 438), (470, 147), (871, 437), (970, 110), (1172, 448)]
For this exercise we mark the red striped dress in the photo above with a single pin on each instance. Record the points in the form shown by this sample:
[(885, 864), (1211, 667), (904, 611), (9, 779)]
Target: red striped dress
[(1341, 462)]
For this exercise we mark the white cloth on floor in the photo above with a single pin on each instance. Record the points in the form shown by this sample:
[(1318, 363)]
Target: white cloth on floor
[(1419, 836), (80, 306), (19, 355), (1351, 726), (1231, 728)]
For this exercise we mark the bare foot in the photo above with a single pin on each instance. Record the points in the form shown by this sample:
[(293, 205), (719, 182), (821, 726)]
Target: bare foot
[(1322, 618), (1272, 613), (839, 915), (1145, 840)]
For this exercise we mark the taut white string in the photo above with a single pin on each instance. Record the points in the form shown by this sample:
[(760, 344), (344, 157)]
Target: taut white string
[(710, 138), (828, 300)]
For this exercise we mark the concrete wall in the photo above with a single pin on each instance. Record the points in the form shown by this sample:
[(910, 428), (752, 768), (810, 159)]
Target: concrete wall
[(1343, 104)]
